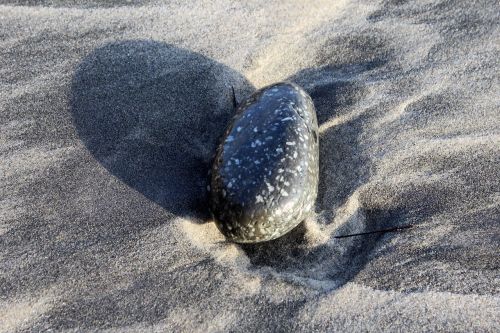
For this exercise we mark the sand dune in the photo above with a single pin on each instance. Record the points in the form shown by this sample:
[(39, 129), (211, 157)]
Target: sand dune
[(110, 113)]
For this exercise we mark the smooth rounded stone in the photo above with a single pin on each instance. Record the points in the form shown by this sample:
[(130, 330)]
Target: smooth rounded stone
[(264, 179)]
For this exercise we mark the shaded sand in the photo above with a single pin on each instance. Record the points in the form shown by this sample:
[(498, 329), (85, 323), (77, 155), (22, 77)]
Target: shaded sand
[(110, 113)]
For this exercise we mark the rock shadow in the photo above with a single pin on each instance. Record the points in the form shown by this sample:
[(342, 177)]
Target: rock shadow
[(151, 113)]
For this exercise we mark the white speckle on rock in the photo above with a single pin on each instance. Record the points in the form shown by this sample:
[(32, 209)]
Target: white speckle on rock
[(290, 143), (259, 198)]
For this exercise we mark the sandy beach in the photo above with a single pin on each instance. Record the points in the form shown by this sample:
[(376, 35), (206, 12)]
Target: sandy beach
[(110, 113)]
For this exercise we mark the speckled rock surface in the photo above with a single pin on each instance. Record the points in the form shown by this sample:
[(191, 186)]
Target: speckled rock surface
[(265, 175)]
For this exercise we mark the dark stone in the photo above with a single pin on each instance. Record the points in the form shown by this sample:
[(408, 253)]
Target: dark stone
[(265, 174)]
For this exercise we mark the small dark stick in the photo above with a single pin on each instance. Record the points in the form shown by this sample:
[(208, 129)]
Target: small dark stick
[(377, 231), (235, 102)]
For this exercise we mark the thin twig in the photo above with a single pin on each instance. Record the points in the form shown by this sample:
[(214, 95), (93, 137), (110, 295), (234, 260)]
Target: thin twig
[(377, 231), (235, 102)]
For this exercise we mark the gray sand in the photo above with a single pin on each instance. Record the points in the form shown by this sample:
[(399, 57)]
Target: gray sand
[(110, 113)]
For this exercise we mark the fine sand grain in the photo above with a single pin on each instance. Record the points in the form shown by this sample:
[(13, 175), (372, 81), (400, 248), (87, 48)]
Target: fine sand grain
[(110, 112)]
